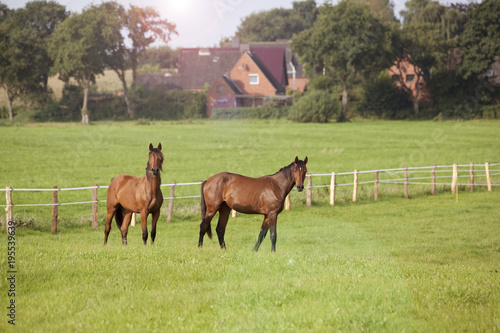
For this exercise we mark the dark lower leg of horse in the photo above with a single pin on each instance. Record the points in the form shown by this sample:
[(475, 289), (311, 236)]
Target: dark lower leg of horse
[(204, 225), (220, 235), (153, 236), (224, 212), (273, 238), (262, 235), (145, 236), (154, 221)]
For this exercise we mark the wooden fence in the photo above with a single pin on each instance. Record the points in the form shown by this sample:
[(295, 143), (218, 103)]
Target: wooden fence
[(435, 177)]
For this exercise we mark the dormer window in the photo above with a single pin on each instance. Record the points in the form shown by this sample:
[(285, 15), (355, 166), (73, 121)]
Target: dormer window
[(253, 79)]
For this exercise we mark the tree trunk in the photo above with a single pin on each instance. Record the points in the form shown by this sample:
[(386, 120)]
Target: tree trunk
[(85, 112), (130, 109), (345, 99), (417, 95), (9, 104)]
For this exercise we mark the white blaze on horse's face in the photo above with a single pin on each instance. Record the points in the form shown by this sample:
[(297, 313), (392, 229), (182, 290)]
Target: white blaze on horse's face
[(299, 173)]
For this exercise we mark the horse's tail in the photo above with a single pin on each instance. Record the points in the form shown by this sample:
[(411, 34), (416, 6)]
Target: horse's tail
[(204, 209), (119, 216)]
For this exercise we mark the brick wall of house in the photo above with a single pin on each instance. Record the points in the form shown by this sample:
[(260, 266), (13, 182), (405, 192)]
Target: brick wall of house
[(220, 95), (240, 74)]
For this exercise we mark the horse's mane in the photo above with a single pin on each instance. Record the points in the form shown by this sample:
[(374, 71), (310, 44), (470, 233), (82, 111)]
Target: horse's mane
[(285, 169)]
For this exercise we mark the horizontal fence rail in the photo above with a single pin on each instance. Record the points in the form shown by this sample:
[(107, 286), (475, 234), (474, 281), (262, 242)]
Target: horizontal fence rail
[(396, 176)]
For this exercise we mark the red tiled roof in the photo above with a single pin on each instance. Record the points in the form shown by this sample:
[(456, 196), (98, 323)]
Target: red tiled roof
[(274, 59)]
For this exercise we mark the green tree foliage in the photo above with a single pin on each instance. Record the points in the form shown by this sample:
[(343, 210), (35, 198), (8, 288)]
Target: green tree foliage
[(307, 10), (81, 43), (316, 106), (162, 56), (480, 40), (278, 23), (430, 31), (24, 60), (381, 8), (383, 100), (345, 41)]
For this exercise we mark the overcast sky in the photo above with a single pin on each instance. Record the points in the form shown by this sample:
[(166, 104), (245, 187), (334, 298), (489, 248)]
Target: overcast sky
[(202, 22)]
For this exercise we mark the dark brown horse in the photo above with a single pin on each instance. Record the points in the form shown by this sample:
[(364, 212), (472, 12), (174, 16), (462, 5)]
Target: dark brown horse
[(265, 195), (129, 194)]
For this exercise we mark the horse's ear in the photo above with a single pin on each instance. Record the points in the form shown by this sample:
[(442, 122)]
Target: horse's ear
[(151, 147), (159, 146), (296, 159), (305, 160)]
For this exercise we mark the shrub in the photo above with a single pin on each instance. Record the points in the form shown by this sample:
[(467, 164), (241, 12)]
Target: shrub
[(383, 100), (165, 104), (263, 112), (317, 106)]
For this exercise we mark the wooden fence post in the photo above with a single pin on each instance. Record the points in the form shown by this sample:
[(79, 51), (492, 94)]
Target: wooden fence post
[(471, 174), (333, 184), (309, 190), (55, 213), (454, 180), (171, 203), (375, 190), (433, 179), (405, 172), (95, 221), (287, 202), (488, 176), (9, 213), (355, 187)]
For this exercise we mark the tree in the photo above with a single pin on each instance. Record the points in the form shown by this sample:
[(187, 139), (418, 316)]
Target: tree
[(268, 26), (307, 10), (25, 62), (480, 41), (80, 44), (345, 41), (422, 47), (144, 27), (430, 31)]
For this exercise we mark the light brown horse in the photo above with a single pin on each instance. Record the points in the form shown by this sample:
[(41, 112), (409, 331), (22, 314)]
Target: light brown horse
[(265, 195), (129, 194)]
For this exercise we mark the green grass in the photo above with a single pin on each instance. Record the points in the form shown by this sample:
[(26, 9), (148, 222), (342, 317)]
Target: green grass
[(428, 263)]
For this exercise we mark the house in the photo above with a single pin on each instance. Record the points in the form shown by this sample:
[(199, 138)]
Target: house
[(271, 65), (406, 76), (250, 82), (197, 67)]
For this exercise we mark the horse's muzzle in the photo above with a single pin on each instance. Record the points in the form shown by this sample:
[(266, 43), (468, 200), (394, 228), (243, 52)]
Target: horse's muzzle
[(300, 188)]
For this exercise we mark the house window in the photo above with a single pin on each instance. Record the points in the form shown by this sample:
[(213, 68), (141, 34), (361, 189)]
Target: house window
[(253, 79), (410, 78), (220, 88)]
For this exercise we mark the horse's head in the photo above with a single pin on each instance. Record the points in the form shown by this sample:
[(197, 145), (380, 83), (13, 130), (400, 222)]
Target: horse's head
[(155, 160), (299, 171)]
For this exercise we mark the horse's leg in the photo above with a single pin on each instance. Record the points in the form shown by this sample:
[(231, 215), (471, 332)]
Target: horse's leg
[(127, 216), (155, 216), (224, 211), (109, 218), (263, 233), (272, 228), (205, 226), (144, 225)]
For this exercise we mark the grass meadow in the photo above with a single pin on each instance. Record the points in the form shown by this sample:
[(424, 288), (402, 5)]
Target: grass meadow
[(427, 263)]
